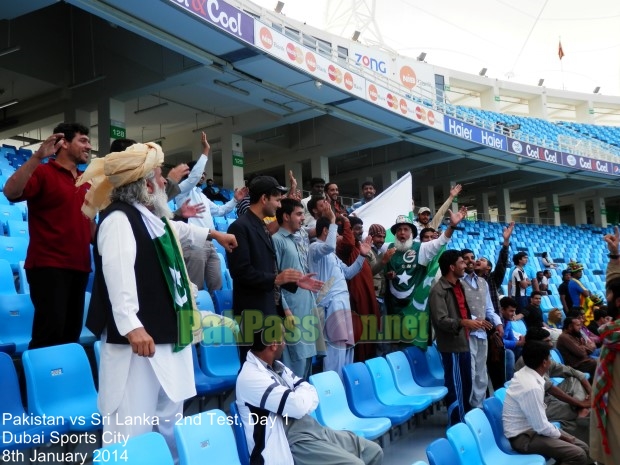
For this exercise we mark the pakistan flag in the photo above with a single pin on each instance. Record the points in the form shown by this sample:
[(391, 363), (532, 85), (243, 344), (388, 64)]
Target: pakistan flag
[(407, 295)]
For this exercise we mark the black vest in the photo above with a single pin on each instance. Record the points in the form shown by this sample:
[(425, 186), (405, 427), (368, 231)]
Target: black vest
[(156, 309)]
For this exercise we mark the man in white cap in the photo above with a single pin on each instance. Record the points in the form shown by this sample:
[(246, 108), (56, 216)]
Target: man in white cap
[(424, 213), (142, 305), (406, 271)]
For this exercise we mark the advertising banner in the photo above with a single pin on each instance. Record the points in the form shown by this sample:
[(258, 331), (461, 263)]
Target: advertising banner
[(416, 76), (221, 14), (475, 134), (374, 60)]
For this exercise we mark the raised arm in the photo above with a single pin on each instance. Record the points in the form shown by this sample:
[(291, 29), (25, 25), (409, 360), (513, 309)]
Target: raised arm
[(436, 221)]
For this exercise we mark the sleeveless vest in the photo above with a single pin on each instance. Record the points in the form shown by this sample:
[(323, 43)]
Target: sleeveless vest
[(476, 298), (156, 310)]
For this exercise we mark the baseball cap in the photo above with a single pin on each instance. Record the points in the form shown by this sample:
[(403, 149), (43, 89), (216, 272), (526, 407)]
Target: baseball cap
[(264, 185), (424, 210)]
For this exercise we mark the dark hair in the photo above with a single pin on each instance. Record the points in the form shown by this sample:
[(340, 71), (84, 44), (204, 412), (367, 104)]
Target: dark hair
[(287, 206), (535, 293), (535, 333), (449, 257), (120, 145), (574, 312), (256, 196), (613, 286), (313, 201), (466, 251), (565, 272), (506, 302), (568, 321), (315, 181), (535, 353), (543, 255), (70, 130), (516, 258), (321, 224), (258, 341), (354, 220), (425, 230), (369, 183), (599, 313), (326, 188)]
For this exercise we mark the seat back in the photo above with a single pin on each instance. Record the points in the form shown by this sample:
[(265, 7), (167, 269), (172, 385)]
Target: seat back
[(518, 326), (204, 301), (382, 379), (206, 437), (17, 228), (358, 387), (500, 394), (441, 452), (557, 356), (239, 429), (435, 364), (464, 444), (13, 250), (493, 407), (219, 356), (7, 283), (483, 433), (16, 316), (401, 371), (226, 278), (10, 400), (144, 449), (222, 300), (333, 403), (59, 381), (419, 366)]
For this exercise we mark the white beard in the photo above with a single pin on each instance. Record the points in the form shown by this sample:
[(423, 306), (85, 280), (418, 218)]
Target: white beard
[(159, 203), (403, 246)]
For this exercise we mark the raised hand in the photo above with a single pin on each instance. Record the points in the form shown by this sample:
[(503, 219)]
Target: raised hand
[(613, 241), (177, 173), (292, 181), (205, 143), (455, 190), (192, 211), (240, 193), (309, 283), (388, 255), (508, 231), (365, 246), (49, 146), (457, 217)]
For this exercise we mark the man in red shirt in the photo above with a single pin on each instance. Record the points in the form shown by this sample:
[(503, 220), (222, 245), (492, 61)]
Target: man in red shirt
[(58, 259)]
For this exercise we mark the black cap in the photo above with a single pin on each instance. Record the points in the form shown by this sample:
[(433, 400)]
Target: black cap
[(265, 185)]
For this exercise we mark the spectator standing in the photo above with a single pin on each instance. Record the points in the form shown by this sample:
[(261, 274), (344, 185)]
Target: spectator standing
[(317, 189), (331, 194), (512, 345), (519, 282), (578, 292), (567, 301), (369, 190), (58, 259)]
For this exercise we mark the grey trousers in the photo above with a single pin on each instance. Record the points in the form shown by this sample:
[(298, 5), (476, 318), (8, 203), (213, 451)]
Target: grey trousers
[(337, 448), (203, 264), (563, 452)]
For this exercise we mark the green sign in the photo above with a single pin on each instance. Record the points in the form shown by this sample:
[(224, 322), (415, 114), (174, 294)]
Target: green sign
[(497, 98), (237, 159), (556, 208), (116, 132), (603, 211)]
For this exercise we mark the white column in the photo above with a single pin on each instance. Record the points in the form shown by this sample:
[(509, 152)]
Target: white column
[(482, 206), (553, 209), (388, 178), (600, 212), (319, 167), (503, 205), (533, 210), (232, 159), (581, 216)]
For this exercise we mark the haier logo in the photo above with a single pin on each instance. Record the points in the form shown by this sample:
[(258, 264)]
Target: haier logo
[(370, 63)]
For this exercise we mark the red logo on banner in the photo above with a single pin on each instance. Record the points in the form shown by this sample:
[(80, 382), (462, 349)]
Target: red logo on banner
[(348, 81), (392, 101), (431, 118), (420, 113), (334, 74), (311, 61), (408, 77), (290, 51), (403, 106), (372, 92), (266, 38)]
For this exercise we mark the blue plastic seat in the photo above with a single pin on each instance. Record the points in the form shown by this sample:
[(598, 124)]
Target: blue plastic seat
[(464, 444), (207, 385), (420, 369), (17, 228), (239, 429), (206, 438), (204, 301), (362, 399), (333, 410), (492, 407), (386, 391), (59, 382), (11, 404), (145, 449), (97, 350), (487, 446), (435, 365), (403, 378), (13, 250), (16, 316), (219, 357), (500, 394), (441, 452), (518, 326), (222, 300), (7, 282), (226, 278), (10, 212), (24, 286)]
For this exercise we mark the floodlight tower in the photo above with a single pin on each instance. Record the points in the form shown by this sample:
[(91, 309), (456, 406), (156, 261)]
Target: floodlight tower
[(344, 17)]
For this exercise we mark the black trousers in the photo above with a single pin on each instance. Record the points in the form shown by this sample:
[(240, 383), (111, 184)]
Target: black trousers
[(57, 295)]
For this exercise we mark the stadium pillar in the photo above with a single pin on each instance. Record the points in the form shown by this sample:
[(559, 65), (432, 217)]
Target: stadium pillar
[(482, 207), (428, 197), (388, 178), (600, 212), (232, 157), (584, 112), (533, 210), (296, 169), (538, 106), (553, 209), (319, 167), (503, 205), (581, 216)]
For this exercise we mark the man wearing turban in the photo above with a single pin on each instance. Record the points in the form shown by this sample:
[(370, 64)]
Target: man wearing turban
[(142, 304)]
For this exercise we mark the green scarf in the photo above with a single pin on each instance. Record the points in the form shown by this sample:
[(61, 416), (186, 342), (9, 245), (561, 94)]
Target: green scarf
[(173, 267), (603, 379)]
